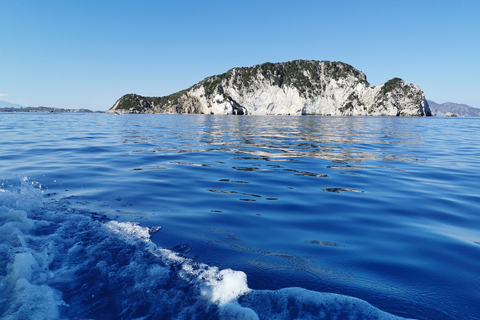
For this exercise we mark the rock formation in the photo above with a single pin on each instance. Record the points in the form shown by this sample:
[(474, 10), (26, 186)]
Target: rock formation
[(292, 88)]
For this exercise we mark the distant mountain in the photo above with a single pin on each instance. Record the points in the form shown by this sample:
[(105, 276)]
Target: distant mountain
[(461, 110), (5, 104)]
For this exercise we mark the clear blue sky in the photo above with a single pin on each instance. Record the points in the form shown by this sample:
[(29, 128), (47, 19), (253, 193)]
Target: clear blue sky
[(88, 53)]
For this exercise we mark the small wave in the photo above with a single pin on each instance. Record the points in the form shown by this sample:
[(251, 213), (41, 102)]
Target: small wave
[(61, 263)]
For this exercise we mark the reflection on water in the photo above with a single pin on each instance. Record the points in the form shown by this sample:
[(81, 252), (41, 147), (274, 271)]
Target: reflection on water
[(283, 138), (337, 190)]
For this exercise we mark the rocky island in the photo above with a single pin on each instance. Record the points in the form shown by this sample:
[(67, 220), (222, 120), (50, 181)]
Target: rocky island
[(291, 88)]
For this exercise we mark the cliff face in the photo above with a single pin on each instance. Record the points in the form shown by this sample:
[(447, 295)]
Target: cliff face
[(291, 88)]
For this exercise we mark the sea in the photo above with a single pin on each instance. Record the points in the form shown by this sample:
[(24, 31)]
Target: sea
[(106, 216)]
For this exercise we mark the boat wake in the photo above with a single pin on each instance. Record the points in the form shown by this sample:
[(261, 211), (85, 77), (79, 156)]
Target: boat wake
[(57, 262)]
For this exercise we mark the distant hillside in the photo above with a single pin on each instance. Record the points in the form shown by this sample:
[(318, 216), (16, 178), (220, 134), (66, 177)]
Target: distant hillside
[(5, 104), (461, 110)]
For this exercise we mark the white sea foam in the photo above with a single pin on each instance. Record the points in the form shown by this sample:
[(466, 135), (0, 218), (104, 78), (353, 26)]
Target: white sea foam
[(24, 293), (130, 231), (58, 263)]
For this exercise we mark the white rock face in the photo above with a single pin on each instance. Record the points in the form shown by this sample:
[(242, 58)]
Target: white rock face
[(449, 114), (291, 88)]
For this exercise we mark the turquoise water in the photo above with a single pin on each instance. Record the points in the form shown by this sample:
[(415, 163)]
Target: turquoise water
[(181, 216)]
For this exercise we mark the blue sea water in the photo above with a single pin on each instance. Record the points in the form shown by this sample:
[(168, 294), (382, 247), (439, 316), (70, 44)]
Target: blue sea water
[(238, 217)]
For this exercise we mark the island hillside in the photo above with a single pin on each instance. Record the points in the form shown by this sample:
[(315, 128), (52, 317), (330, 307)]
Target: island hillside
[(291, 88)]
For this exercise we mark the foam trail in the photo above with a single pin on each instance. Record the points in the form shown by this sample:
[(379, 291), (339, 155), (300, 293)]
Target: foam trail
[(24, 292), (59, 263)]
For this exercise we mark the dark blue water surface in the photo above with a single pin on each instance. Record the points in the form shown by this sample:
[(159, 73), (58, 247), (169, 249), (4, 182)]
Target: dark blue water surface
[(382, 209)]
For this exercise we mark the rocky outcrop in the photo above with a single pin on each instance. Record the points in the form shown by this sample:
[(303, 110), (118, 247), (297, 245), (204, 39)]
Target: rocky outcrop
[(292, 88)]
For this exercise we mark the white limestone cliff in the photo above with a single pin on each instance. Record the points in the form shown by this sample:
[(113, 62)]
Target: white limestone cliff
[(292, 88)]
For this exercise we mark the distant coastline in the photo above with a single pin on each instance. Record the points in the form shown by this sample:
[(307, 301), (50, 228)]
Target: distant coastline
[(457, 109), (438, 110), (47, 110)]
